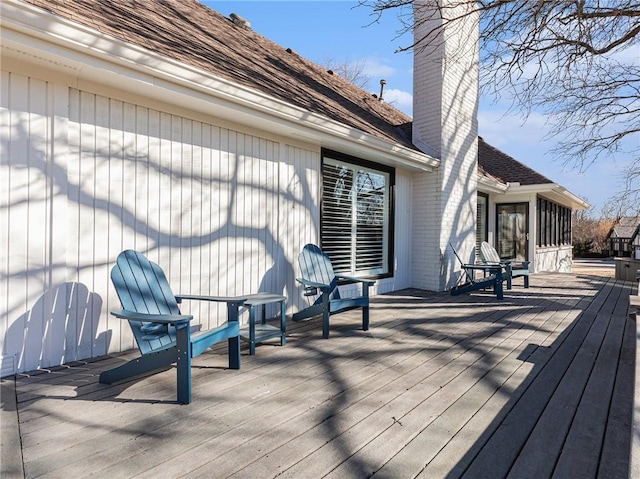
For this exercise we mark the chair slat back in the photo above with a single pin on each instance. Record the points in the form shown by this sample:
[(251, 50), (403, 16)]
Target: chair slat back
[(489, 253), (315, 265), (143, 287)]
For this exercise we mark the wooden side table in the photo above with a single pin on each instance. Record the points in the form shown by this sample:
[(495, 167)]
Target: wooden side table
[(257, 333)]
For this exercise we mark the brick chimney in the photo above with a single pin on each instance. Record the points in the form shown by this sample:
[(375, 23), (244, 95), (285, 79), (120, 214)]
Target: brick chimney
[(445, 125)]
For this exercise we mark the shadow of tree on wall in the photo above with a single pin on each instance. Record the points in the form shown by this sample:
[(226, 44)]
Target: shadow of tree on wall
[(61, 326), (179, 247)]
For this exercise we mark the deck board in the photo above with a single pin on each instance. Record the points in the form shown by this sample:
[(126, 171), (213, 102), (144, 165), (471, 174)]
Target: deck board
[(440, 386), (452, 429)]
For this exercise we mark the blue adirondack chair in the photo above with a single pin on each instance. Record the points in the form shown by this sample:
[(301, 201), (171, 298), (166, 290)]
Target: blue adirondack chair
[(164, 334), (489, 255), (318, 278), (492, 277)]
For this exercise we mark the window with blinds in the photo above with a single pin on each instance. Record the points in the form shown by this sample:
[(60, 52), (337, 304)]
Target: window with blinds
[(356, 212)]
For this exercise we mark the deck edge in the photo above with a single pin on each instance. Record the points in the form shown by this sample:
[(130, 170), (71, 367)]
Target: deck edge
[(634, 462), (11, 463)]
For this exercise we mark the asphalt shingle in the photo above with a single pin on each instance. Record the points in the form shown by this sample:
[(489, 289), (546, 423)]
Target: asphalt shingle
[(192, 33), (506, 168)]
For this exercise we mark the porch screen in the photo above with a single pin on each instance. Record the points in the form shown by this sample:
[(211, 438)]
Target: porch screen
[(356, 211), (553, 224)]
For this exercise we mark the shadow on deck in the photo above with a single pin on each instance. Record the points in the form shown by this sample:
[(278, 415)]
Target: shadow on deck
[(538, 385)]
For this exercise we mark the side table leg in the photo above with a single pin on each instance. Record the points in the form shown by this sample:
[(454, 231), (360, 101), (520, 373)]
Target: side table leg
[(283, 323), (252, 330)]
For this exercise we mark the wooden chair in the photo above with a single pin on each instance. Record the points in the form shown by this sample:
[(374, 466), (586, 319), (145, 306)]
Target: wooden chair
[(489, 255), (318, 277), (492, 277), (162, 333)]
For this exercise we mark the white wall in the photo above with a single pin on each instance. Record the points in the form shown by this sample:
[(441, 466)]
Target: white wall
[(556, 259), (635, 247), (223, 212), (445, 114), (84, 176)]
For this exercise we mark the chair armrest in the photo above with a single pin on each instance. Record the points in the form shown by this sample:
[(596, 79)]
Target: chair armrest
[(219, 299), (523, 264), (312, 284), (489, 263), (484, 267), (520, 264), (353, 279), (152, 318)]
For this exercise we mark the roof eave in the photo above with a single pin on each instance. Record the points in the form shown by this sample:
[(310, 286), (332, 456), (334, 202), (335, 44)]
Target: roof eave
[(554, 192), (89, 55), (489, 185)]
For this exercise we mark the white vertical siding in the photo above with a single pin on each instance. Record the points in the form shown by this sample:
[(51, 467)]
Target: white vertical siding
[(7, 359), (299, 214), (85, 176), (198, 199), (223, 212), (403, 237), (32, 306)]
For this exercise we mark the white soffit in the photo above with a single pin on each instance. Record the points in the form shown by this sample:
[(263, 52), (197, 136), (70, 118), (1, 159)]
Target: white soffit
[(89, 55), (553, 192)]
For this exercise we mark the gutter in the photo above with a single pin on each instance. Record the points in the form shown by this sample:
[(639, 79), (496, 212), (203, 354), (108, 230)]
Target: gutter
[(554, 191), (488, 185)]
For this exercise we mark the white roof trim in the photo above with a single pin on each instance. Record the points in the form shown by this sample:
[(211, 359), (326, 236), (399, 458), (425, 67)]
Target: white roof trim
[(554, 192), (489, 185), (94, 56)]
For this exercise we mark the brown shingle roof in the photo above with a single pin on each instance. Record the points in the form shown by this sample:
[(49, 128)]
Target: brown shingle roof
[(505, 168), (189, 32)]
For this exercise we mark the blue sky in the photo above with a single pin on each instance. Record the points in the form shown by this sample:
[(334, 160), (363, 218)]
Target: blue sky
[(333, 29)]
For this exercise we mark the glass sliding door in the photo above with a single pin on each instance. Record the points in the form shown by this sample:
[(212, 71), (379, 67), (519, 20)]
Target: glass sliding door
[(513, 231)]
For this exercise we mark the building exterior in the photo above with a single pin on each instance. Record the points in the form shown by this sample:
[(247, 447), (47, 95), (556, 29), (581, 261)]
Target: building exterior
[(171, 129), (635, 243), (622, 237), (524, 214)]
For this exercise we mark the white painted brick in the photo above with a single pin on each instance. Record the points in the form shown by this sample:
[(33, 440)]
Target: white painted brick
[(445, 119)]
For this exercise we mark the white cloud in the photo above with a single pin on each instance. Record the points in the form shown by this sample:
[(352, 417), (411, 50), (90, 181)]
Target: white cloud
[(627, 56), (506, 129), (401, 99), (377, 69)]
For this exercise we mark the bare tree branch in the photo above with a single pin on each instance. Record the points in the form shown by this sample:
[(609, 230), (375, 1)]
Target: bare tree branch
[(352, 71), (575, 61)]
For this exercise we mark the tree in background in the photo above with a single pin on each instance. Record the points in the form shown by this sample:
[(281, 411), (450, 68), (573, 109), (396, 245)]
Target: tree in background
[(352, 71), (590, 233), (576, 61)]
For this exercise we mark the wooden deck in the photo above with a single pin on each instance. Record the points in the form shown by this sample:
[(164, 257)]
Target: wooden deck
[(538, 385)]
